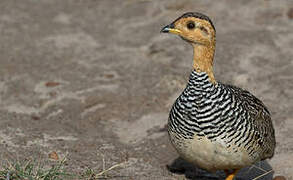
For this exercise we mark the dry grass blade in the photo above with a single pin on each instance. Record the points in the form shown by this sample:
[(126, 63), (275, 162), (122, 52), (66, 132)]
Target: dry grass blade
[(258, 167), (101, 174), (264, 174)]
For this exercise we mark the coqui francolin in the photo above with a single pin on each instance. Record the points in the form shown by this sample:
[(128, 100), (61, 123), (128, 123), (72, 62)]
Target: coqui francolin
[(214, 125)]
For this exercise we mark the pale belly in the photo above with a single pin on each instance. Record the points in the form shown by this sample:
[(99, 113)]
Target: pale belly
[(211, 156)]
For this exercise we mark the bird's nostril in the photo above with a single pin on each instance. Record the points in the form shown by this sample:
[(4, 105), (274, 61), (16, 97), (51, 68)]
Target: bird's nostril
[(171, 25)]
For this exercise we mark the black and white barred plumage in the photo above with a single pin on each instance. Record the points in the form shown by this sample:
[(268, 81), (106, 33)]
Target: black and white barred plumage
[(222, 113)]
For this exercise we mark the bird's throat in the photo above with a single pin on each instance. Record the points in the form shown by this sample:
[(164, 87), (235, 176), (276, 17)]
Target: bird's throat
[(203, 56)]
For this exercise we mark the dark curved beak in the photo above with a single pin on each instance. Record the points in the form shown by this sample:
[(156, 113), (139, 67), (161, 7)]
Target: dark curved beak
[(167, 28), (170, 29)]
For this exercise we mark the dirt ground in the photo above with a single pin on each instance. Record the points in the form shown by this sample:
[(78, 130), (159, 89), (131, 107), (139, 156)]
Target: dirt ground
[(94, 80)]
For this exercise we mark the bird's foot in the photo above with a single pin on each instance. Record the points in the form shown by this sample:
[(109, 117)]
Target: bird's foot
[(230, 176)]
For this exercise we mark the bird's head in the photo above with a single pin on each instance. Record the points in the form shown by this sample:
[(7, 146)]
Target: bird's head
[(195, 28), (198, 30)]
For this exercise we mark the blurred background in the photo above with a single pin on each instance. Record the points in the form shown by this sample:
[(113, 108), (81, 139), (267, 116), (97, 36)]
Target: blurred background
[(94, 80)]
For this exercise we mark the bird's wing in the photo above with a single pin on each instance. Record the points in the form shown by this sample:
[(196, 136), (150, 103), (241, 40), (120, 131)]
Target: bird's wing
[(260, 118)]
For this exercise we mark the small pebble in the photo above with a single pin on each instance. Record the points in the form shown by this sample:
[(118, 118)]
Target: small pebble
[(52, 84), (53, 155)]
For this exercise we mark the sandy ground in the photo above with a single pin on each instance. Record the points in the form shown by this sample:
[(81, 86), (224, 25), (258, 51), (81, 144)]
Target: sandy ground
[(94, 79)]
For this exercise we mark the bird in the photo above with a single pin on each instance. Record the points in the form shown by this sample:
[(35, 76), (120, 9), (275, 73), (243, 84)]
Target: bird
[(213, 125)]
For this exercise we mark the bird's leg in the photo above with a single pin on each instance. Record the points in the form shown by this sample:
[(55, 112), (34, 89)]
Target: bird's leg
[(230, 176)]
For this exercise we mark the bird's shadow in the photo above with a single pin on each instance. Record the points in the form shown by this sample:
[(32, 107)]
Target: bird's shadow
[(261, 171)]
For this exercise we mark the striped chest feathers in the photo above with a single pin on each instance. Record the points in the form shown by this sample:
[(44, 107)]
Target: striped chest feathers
[(204, 109), (202, 124)]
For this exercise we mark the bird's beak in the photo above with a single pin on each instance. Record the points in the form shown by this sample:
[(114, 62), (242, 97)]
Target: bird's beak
[(170, 29)]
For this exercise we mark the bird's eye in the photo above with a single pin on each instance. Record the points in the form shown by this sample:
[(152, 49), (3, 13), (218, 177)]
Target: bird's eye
[(190, 25)]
